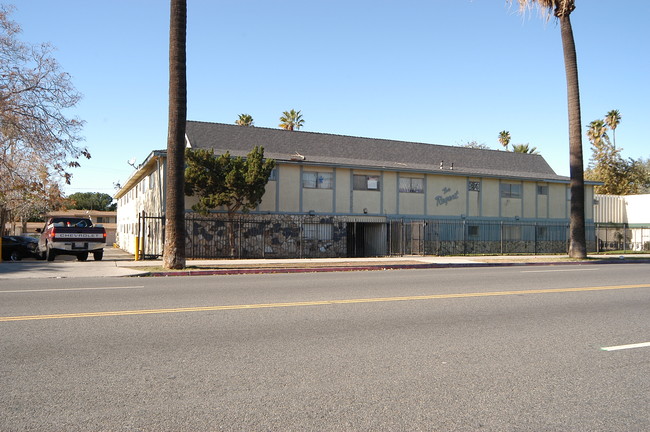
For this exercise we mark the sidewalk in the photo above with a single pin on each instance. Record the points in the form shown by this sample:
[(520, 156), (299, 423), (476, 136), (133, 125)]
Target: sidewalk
[(119, 263)]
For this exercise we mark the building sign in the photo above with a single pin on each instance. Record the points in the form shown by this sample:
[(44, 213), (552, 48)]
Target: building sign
[(446, 197)]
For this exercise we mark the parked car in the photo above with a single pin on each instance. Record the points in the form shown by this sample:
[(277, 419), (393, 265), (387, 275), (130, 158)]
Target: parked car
[(15, 248)]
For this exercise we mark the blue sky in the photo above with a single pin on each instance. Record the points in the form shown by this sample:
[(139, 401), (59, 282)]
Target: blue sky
[(434, 71)]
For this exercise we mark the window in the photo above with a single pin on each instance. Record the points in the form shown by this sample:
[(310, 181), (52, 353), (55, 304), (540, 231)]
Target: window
[(510, 190), (473, 230), (317, 180), (315, 231), (542, 232), (474, 186), (412, 185), (274, 175), (364, 182), (152, 180), (542, 190)]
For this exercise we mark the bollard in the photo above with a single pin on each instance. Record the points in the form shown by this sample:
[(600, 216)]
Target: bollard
[(137, 248)]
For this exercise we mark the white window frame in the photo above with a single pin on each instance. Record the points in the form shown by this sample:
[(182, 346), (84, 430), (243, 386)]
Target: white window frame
[(410, 185), (317, 180)]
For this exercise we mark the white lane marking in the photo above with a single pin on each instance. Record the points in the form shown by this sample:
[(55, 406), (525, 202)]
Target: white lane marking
[(623, 347), (70, 289), (563, 270)]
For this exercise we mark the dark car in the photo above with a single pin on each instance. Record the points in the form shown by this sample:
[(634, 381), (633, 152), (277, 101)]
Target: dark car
[(15, 248)]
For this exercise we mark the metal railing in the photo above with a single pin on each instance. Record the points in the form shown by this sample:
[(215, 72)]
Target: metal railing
[(315, 237)]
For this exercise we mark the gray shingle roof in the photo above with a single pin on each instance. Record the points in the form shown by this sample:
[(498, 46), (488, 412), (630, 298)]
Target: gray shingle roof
[(371, 153)]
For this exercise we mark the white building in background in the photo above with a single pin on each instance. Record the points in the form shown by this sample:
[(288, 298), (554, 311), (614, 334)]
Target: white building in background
[(631, 214)]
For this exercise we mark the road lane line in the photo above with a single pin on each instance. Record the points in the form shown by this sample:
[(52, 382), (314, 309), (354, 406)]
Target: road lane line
[(317, 303), (69, 289), (624, 347)]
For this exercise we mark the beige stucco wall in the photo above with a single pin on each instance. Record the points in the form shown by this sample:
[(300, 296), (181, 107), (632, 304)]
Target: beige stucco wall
[(318, 200), (343, 187), (490, 199), (269, 199), (589, 202), (370, 200), (510, 207), (557, 201), (390, 192), (474, 199), (542, 204), (290, 188), (446, 195), (410, 203), (530, 196)]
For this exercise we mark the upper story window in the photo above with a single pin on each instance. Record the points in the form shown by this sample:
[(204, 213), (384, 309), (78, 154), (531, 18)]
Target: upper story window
[(365, 182), (542, 190), (474, 186), (510, 190), (317, 180), (274, 175), (412, 185)]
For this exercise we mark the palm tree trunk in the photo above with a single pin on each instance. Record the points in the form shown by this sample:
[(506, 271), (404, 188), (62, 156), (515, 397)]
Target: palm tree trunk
[(174, 252), (577, 240)]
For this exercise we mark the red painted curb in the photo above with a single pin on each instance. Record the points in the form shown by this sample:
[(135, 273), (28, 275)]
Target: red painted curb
[(377, 268)]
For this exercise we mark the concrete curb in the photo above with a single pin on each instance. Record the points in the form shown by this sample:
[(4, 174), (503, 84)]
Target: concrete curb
[(379, 267)]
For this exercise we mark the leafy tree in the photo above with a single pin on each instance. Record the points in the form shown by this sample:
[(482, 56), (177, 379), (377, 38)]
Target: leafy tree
[(562, 10), (524, 148), (475, 145), (38, 141), (619, 176), (235, 183), (504, 138), (645, 166), (174, 251), (91, 201), (291, 120), (245, 120)]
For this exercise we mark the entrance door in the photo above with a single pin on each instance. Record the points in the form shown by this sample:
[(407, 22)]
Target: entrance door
[(366, 239)]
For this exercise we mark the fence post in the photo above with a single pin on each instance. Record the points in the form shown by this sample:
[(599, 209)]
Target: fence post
[(464, 237), (501, 235)]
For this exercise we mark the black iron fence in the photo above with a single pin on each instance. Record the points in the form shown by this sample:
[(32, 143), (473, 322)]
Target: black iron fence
[(622, 237), (331, 236)]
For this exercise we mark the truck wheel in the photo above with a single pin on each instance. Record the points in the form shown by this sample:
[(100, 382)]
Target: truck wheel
[(49, 253), (98, 255), (83, 256)]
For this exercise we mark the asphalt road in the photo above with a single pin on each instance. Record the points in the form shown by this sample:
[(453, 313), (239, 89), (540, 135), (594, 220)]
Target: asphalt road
[(490, 349)]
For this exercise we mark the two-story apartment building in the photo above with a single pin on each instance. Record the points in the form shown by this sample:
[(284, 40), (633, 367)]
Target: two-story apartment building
[(361, 185)]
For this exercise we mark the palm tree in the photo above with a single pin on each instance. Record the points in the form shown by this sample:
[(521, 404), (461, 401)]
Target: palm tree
[(562, 9), (613, 119), (596, 132), (291, 120), (524, 148), (245, 120), (174, 251), (504, 139)]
